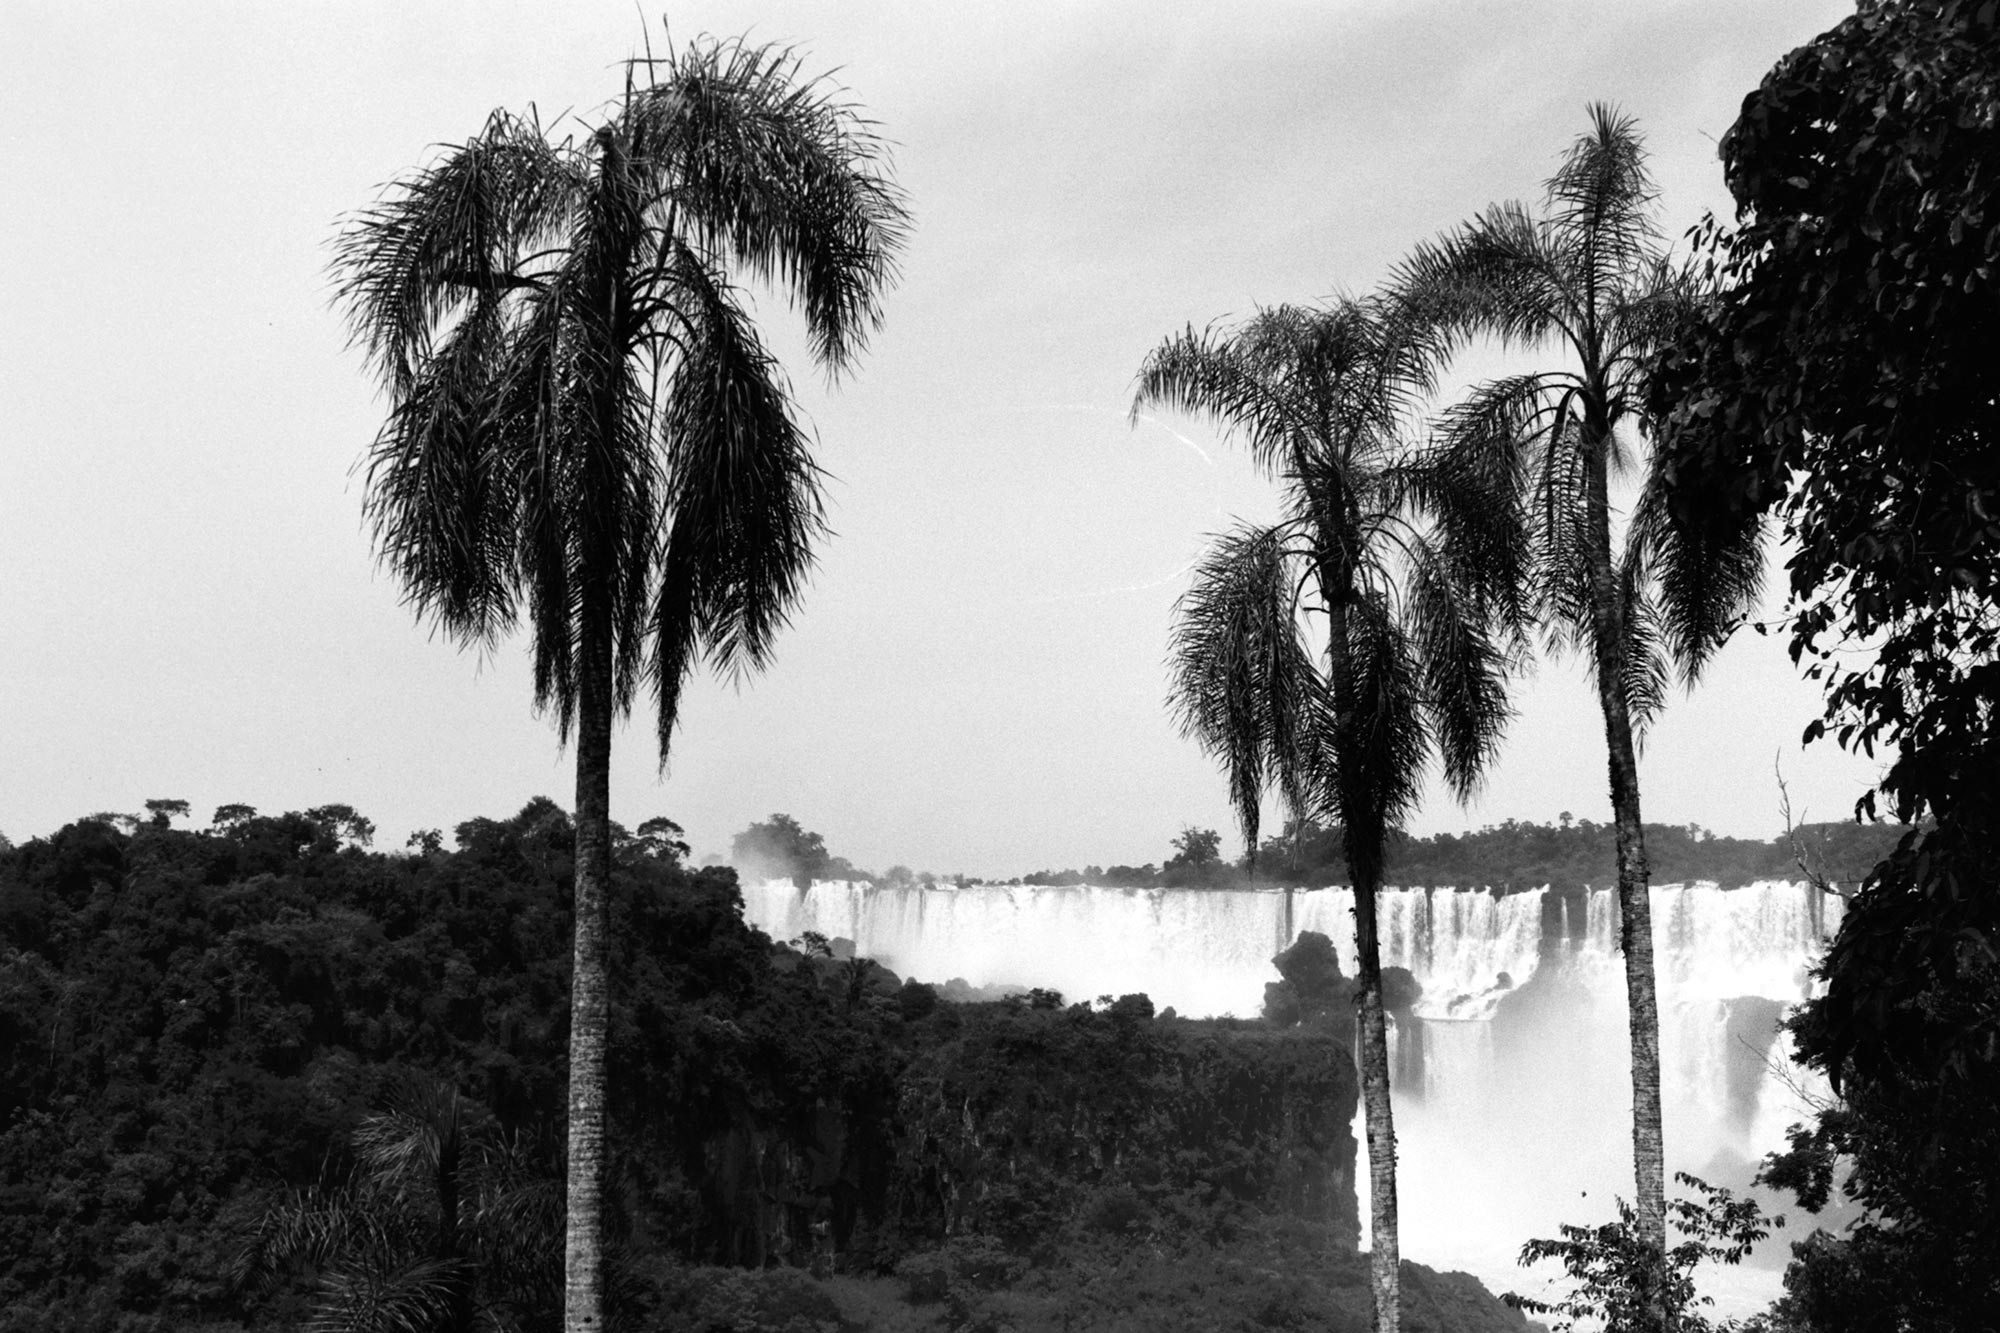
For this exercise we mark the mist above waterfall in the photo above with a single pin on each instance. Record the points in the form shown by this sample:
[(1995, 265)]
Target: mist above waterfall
[(1513, 1086)]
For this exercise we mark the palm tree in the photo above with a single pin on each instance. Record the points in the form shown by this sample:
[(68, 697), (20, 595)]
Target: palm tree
[(445, 1224), (1318, 395), (585, 427), (1588, 281)]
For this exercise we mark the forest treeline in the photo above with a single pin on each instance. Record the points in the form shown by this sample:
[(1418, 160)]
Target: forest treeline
[(209, 1043), (1515, 855)]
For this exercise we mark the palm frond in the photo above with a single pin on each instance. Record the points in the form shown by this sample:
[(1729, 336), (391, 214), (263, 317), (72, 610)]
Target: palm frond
[(310, 1229), (462, 229), (1564, 533), (1500, 275), (400, 1146), (744, 495), (1650, 310), (779, 173), (440, 500), (1242, 683), (1476, 534), (1382, 756), (1645, 676), (1209, 374), (1464, 667), (1600, 206), (375, 1297), (1708, 574)]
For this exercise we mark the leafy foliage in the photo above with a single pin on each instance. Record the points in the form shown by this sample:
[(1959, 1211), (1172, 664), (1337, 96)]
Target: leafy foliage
[(780, 848), (209, 1038), (442, 1224), (1197, 860), (1612, 1266), (1919, 1151), (1843, 377), (190, 1022), (1035, 1123), (1841, 374), (1310, 988)]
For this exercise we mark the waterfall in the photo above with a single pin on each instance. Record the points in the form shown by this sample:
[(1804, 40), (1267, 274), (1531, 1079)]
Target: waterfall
[(1200, 952), (1517, 1115)]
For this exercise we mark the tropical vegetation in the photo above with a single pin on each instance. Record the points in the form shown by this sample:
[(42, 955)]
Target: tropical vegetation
[(1843, 378), (260, 1076), (586, 428)]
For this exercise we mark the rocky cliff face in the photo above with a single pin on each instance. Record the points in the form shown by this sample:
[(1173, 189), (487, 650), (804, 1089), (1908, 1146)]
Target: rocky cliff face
[(1023, 1122)]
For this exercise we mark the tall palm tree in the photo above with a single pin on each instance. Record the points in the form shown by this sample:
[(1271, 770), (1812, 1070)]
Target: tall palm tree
[(1409, 663), (586, 428), (1588, 282)]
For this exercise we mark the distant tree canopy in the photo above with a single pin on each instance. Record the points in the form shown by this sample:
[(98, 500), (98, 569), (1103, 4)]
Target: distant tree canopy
[(1197, 860), (779, 848), (161, 812), (1517, 855)]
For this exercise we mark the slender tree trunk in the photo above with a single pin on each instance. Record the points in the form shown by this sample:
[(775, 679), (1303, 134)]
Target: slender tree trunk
[(1384, 1241), (1363, 834), (1635, 913), (583, 1247)]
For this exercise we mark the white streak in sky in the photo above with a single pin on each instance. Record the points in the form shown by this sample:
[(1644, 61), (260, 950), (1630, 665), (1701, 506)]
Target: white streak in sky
[(1096, 593)]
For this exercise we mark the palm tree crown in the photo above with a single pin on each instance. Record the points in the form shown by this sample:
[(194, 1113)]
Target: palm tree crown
[(1587, 280), (584, 421), (1321, 397)]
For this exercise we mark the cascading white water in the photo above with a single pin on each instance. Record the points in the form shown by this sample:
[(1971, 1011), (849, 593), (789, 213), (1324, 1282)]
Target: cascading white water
[(1202, 953), (1519, 1119)]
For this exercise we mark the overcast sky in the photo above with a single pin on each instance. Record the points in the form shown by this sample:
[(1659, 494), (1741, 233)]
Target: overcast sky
[(189, 605)]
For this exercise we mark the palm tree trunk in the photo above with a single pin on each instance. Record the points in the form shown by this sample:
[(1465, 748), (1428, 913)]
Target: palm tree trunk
[(1635, 913), (1635, 939), (1384, 1242), (1363, 833), (583, 1248)]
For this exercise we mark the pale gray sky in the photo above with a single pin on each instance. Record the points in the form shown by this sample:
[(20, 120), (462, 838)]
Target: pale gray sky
[(189, 606)]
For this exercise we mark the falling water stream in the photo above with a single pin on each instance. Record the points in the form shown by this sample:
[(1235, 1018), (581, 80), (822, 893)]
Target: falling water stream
[(1513, 1111)]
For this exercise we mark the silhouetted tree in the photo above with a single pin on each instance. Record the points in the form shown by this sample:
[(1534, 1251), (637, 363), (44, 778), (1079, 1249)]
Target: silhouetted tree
[(1588, 281), (586, 427), (1319, 396)]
